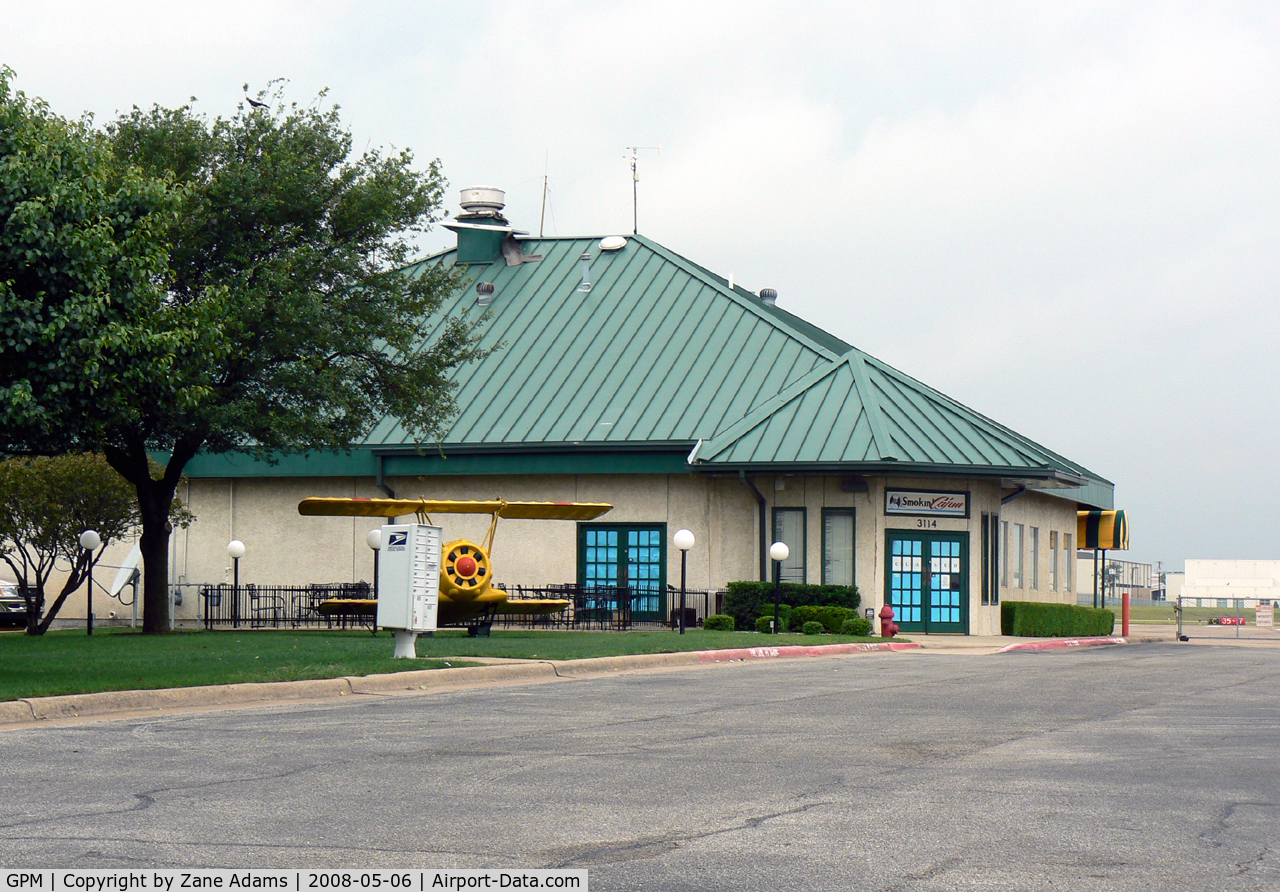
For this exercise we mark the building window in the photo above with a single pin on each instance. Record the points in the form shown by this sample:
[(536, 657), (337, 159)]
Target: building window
[(1068, 563), (624, 556), (1019, 548), (990, 558), (995, 558), (1053, 560), (1004, 554), (788, 527), (837, 546), (1035, 558)]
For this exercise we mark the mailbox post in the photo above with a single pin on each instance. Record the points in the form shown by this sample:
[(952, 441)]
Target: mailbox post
[(409, 582)]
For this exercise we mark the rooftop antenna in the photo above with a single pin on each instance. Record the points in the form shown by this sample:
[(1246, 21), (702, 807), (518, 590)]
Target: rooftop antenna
[(545, 165), (635, 178)]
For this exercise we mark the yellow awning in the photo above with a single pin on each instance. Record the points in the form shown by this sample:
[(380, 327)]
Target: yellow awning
[(1102, 529)]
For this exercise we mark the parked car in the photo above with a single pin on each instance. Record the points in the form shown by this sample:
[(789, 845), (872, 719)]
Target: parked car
[(13, 610)]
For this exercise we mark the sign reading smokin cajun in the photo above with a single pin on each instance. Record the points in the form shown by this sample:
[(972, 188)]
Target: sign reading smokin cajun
[(926, 504)]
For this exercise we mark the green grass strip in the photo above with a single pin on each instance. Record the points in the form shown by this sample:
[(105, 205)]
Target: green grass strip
[(70, 662)]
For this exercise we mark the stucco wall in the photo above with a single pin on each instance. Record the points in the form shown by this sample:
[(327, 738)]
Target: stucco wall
[(285, 548)]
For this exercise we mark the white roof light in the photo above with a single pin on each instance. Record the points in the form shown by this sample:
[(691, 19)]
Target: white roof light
[(612, 243)]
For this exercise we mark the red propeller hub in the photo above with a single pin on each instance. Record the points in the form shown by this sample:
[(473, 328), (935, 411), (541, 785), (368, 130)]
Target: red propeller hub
[(466, 566)]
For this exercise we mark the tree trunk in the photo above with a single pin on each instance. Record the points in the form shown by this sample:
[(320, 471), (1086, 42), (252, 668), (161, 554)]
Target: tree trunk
[(154, 545), (155, 501)]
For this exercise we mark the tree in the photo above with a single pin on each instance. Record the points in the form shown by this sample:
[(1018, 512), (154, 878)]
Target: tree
[(289, 322), (45, 504)]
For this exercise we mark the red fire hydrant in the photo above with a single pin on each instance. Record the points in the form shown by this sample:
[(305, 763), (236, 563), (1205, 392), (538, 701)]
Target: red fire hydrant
[(888, 628)]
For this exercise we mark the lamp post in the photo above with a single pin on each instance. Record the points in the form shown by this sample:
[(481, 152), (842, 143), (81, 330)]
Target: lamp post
[(235, 548), (375, 542), (89, 541), (684, 541), (779, 552)]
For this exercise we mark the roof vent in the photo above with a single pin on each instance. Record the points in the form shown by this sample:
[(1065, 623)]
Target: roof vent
[(484, 293), (586, 272), (769, 296), (484, 200), (612, 243)]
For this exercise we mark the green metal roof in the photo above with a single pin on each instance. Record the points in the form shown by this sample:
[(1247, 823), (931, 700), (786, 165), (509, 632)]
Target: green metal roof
[(661, 355), (859, 411), (657, 352)]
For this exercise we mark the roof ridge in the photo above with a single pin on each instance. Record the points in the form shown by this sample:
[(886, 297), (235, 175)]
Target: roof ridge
[(997, 427), (722, 285)]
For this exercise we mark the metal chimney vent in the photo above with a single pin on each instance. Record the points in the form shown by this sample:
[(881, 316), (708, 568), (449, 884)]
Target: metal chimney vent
[(769, 296), (487, 200), (484, 293), (586, 273)]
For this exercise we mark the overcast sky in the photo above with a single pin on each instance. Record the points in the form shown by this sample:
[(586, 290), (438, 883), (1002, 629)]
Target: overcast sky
[(1064, 215)]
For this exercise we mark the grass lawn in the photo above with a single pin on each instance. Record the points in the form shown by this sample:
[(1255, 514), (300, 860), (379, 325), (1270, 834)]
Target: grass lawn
[(1190, 615), (70, 662)]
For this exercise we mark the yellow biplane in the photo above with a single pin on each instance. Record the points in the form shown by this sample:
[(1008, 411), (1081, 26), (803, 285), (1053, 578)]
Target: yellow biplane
[(467, 595)]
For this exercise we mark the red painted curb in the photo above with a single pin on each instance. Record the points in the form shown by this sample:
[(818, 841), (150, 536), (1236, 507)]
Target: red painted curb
[(1060, 644), (799, 650)]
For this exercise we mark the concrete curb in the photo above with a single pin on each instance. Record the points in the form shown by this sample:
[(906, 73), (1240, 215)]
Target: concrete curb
[(80, 705), (1060, 644), (800, 650), (107, 703)]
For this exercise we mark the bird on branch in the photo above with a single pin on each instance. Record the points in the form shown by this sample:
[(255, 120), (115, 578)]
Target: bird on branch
[(255, 103)]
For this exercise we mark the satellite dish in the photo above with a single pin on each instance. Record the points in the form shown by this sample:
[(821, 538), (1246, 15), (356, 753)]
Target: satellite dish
[(125, 574)]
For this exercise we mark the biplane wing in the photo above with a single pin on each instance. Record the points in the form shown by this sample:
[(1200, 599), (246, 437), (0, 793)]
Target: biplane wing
[(337, 507), (530, 606)]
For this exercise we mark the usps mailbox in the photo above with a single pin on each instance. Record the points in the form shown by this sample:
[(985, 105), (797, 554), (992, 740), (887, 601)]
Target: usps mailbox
[(409, 582)]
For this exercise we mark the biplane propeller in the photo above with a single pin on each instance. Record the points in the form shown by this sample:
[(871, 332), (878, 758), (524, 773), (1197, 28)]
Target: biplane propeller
[(467, 594)]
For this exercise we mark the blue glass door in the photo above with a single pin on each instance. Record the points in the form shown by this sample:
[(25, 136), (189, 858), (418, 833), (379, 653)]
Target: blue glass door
[(927, 581), (624, 562)]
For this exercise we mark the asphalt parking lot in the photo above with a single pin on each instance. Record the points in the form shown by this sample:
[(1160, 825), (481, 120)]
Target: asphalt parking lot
[(1136, 767)]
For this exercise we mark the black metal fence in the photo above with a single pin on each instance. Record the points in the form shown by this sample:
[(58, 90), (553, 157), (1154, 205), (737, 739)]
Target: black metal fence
[(282, 606)]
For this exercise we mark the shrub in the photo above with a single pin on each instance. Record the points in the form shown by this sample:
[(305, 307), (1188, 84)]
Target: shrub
[(856, 625), (764, 623), (748, 600), (832, 618), (813, 627), (718, 622), (1037, 620)]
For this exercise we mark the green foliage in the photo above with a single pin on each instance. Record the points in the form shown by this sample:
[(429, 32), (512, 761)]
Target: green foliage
[(764, 623), (87, 336), (1038, 620), (45, 504), (858, 626), (180, 284), (831, 618), (718, 622), (813, 627), (748, 600)]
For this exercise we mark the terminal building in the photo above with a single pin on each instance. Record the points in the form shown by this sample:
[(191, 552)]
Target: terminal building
[(631, 375)]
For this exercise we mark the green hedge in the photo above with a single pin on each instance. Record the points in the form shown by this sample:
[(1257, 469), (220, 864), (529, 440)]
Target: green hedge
[(832, 618), (1036, 620), (746, 601), (718, 622), (859, 626), (813, 627)]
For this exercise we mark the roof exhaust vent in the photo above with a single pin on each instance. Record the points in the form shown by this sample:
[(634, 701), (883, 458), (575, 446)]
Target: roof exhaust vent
[(484, 294), (769, 296), (483, 201), (586, 272)]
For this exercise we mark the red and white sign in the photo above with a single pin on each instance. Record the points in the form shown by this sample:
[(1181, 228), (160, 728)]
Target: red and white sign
[(1265, 616), (926, 504)]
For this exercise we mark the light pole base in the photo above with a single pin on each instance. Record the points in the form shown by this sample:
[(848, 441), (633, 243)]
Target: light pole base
[(405, 645)]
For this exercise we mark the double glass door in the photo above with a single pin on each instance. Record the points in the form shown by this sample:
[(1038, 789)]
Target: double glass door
[(927, 580)]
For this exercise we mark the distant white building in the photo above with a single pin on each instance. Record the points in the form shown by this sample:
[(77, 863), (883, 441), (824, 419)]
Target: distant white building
[(1139, 580), (1217, 582)]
